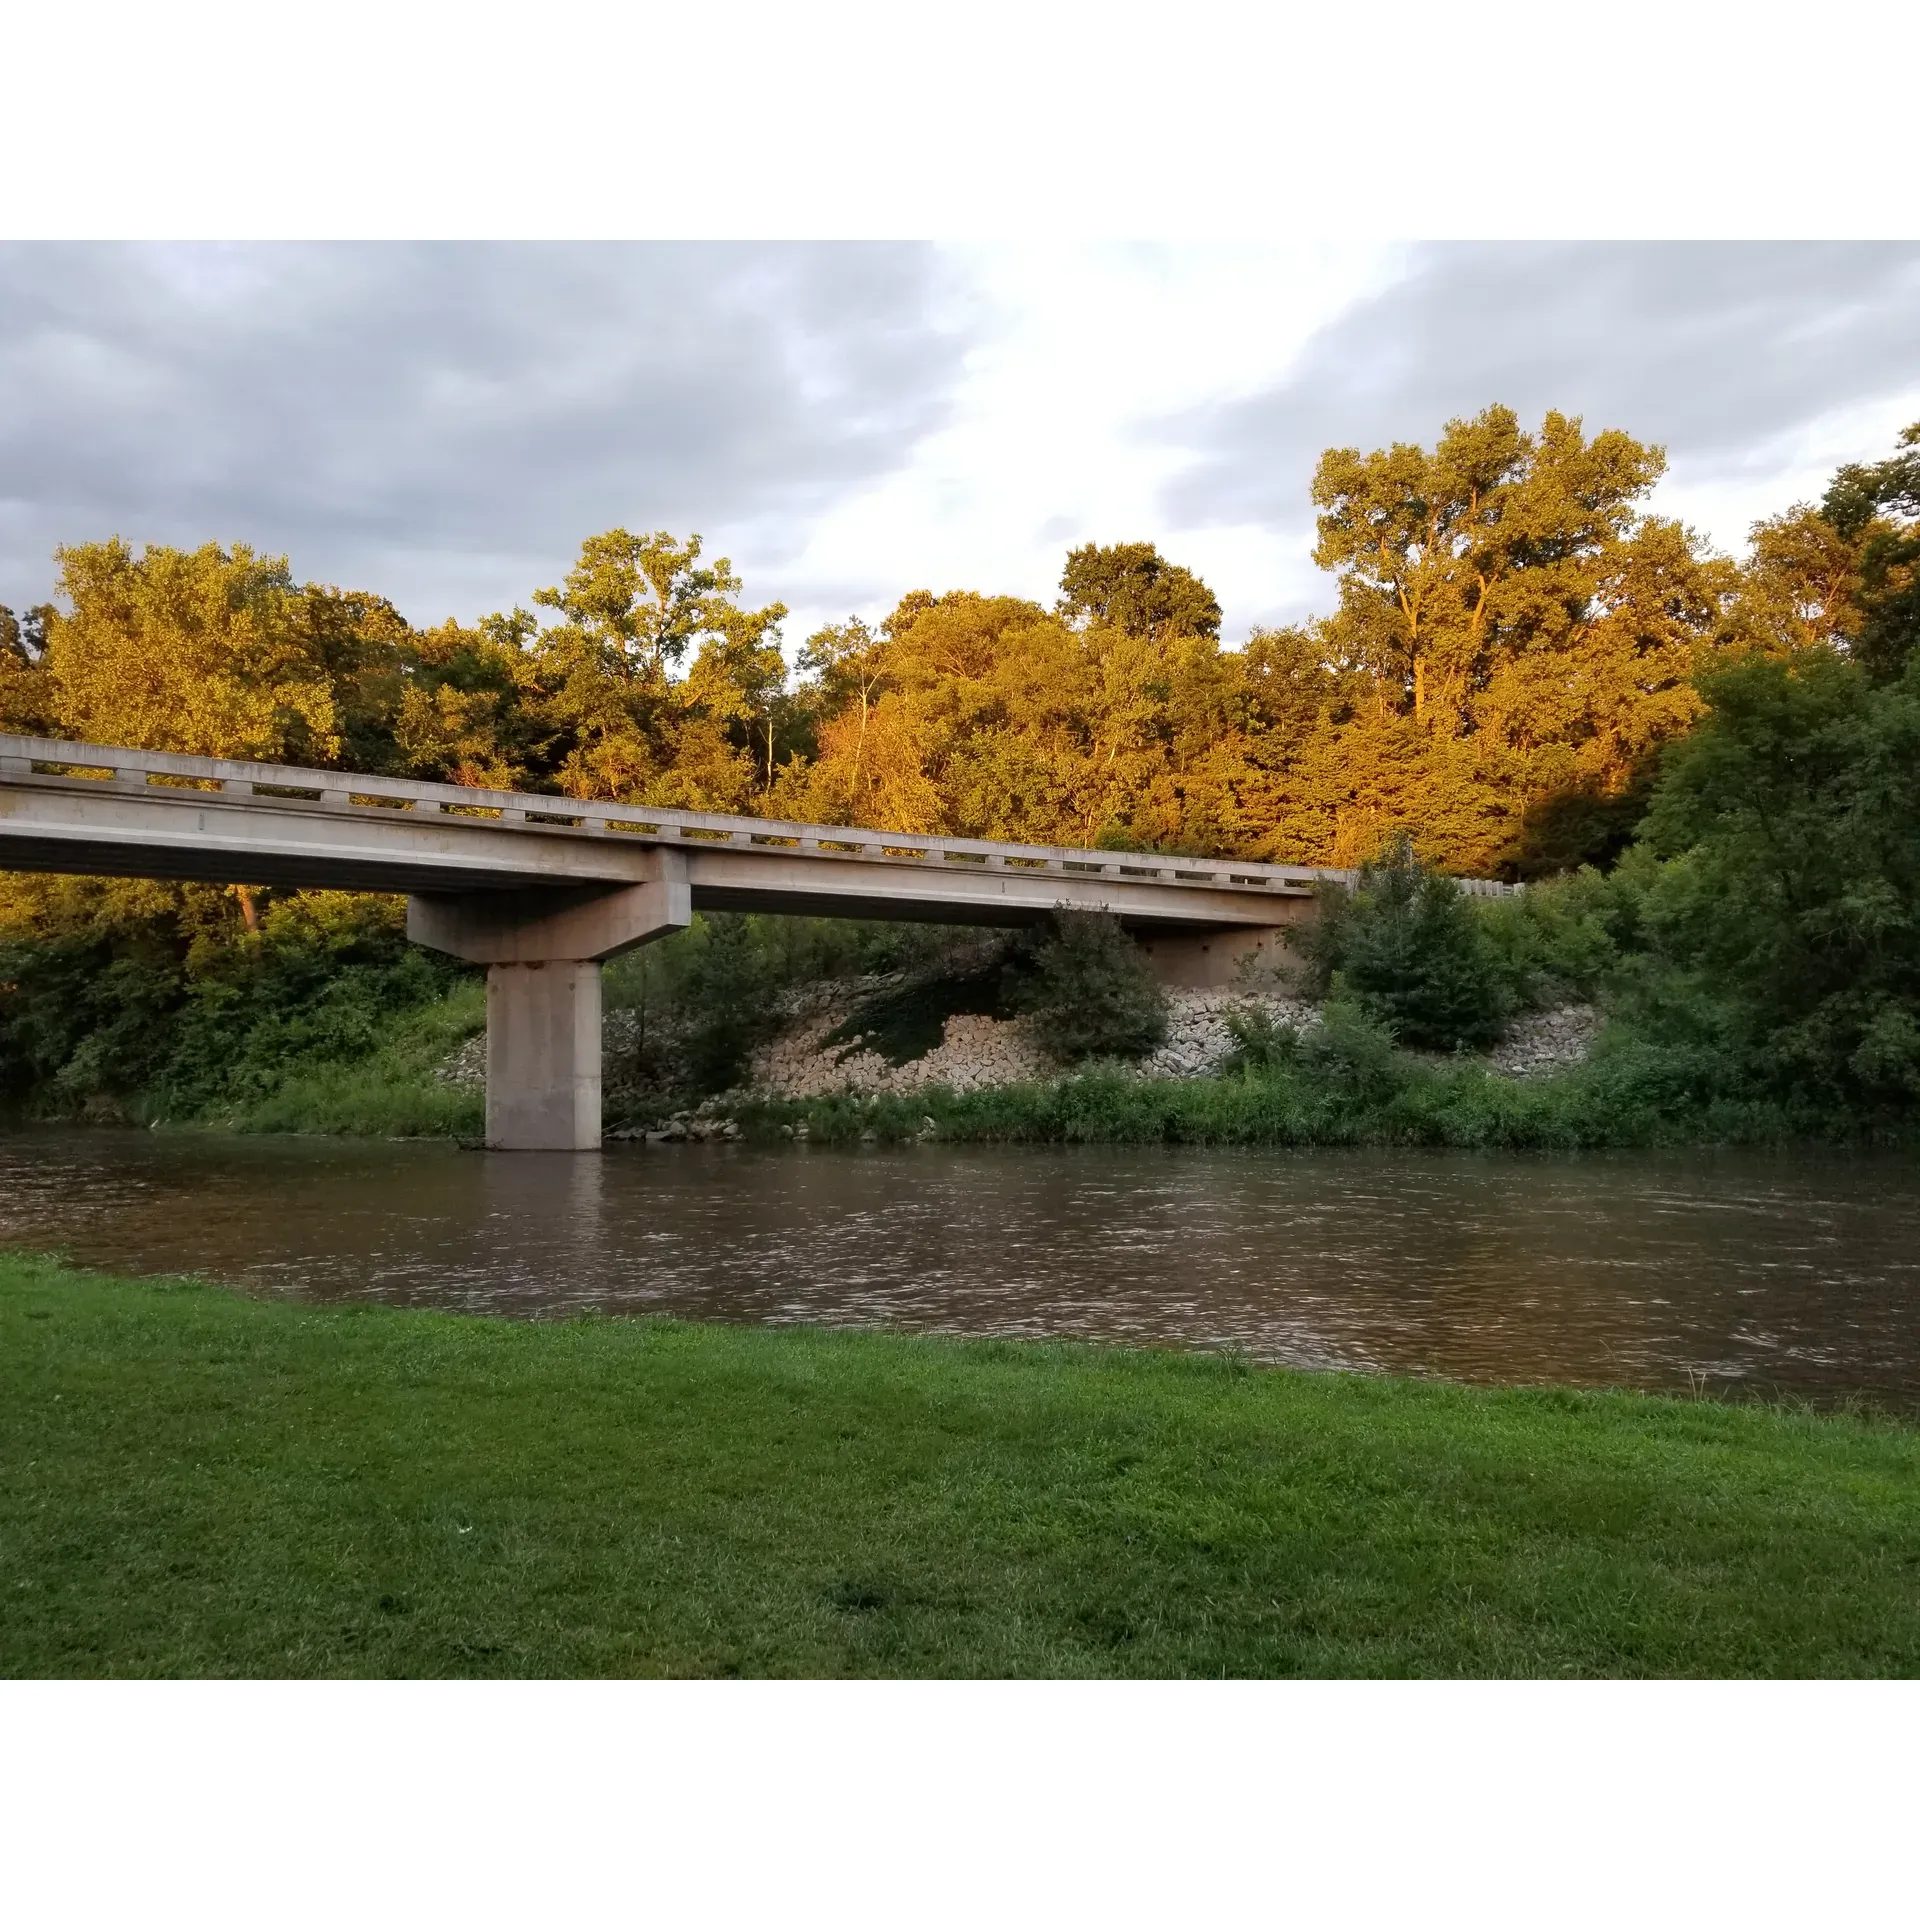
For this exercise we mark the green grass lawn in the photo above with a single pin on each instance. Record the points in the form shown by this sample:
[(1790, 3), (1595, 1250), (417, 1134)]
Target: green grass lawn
[(199, 1483)]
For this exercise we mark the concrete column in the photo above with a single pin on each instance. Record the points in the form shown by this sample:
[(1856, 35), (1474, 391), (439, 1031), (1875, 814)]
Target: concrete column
[(542, 948), (543, 1054)]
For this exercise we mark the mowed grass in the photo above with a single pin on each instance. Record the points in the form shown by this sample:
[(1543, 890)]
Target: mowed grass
[(199, 1483)]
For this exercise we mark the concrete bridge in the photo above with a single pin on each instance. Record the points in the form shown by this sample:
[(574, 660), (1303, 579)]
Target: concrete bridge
[(540, 890)]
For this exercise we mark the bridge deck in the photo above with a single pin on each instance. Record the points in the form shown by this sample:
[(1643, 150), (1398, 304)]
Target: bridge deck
[(75, 807)]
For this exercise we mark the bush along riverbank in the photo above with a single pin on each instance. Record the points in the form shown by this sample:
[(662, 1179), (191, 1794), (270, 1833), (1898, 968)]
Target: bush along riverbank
[(1629, 1097), (201, 1483)]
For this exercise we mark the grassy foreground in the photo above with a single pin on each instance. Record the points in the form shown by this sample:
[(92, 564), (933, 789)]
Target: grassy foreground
[(198, 1483)]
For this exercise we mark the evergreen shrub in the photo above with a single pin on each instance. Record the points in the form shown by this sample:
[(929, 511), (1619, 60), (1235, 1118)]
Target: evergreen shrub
[(1407, 949), (1352, 1054), (1089, 990)]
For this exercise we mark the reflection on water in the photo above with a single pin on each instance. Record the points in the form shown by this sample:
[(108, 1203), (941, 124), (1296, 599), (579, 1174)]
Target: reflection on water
[(1781, 1273)]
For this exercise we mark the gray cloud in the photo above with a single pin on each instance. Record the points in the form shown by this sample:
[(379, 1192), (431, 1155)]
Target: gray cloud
[(445, 423), (1707, 349)]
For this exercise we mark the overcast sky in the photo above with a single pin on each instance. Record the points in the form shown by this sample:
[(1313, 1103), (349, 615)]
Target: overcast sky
[(444, 424)]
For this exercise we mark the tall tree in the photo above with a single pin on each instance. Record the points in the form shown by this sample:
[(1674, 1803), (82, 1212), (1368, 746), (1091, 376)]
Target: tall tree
[(26, 688), (1790, 822), (200, 652), (632, 608), (1510, 619), (472, 709), (845, 669), (1879, 507), (1131, 588), (1800, 586)]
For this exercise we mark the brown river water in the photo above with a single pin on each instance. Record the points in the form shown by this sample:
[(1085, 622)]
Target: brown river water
[(1739, 1272)]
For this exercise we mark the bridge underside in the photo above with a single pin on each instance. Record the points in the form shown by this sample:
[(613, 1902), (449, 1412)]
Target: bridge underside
[(541, 898)]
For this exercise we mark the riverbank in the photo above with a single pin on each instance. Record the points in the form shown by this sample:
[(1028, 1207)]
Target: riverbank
[(1356, 1090), (1630, 1096), (201, 1483), (770, 1030)]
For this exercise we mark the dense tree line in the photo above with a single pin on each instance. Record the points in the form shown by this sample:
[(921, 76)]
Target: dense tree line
[(1526, 672), (1516, 637)]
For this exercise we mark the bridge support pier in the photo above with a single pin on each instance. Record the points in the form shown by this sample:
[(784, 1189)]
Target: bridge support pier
[(543, 1054), (542, 948)]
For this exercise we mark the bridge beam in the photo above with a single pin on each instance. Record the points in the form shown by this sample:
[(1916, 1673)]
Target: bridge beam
[(543, 948)]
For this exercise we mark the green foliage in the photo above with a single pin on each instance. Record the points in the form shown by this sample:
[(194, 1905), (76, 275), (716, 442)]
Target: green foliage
[(792, 949), (125, 1000), (393, 1092), (1783, 923), (1879, 507), (1563, 938), (1352, 1054), (729, 999), (1089, 990), (1407, 947), (1351, 1090), (201, 1484), (1130, 588), (1261, 1041)]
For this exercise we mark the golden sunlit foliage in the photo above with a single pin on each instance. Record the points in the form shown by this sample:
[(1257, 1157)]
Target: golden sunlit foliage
[(1515, 636)]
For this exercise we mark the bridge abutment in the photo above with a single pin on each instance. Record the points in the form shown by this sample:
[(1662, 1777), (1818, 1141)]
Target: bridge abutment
[(1224, 956), (543, 948)]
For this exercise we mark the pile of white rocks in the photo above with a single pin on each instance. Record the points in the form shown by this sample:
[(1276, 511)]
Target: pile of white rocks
[(466, 1065), (975, 1051), (978, 1051), (1546, 1041), (691, 1123), (1198, 1041)]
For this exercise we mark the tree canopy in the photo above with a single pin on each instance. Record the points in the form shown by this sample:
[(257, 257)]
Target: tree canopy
[(1876, 509), (1516, 639)]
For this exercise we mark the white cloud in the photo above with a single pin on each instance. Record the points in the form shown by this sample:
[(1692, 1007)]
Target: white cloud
[(1784, 469), (1045, 444), (445, 424), (1759, 367)]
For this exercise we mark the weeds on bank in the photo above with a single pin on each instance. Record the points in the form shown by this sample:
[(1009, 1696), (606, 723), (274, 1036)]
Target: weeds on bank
[(392, 1092), (1629, 1095)]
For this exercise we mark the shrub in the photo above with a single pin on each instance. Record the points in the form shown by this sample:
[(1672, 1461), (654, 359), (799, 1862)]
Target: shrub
[(1352, 1054), (1408, 949), (1089, 990), (1262, 1043), (1564, 938), (1783, 920), (728, 995)]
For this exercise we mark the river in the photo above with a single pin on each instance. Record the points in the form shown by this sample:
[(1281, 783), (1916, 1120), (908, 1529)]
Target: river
[(1792, 1274)]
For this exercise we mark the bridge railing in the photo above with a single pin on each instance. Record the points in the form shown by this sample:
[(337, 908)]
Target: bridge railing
[(253, 783)]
